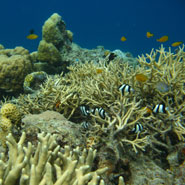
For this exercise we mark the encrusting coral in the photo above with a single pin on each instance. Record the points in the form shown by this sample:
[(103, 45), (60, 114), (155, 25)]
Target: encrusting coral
[(33, 80), (48, 164)]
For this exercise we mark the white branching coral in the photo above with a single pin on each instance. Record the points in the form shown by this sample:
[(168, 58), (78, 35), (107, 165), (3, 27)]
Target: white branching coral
[(47, 164)]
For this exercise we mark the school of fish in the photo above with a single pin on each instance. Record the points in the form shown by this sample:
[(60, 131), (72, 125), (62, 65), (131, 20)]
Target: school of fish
[(124, 89), (162, 39)]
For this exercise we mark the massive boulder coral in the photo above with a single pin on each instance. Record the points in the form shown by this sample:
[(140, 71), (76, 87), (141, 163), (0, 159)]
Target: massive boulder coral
[(55, 38), (56, 50), (15, 64), (48, 53), (67, 132), (54, 31), (11, 112)]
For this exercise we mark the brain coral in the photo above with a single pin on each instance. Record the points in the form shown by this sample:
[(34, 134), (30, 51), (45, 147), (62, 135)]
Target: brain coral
[(15, 64), (11, 112), (5, 123)]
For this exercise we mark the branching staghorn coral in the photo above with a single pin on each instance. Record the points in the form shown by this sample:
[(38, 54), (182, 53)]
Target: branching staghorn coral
[(47, 164), (125, 113), (168, 68), (89, 83), (97, 85)]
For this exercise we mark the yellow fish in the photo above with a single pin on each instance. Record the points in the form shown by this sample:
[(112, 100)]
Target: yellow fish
[(98, 71), (32, 36), (141, 77), (148, 34), (123, 39), (175, 44), (163, 39)]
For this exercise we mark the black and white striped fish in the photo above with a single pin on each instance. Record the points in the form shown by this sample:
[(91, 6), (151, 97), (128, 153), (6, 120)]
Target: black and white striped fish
[(100, 111), (125, 88), (85, 110), (138, 128), (160, 108), (85, 125)]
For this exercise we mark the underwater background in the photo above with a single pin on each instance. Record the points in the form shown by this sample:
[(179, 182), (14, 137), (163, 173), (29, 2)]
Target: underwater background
[(96, 22)]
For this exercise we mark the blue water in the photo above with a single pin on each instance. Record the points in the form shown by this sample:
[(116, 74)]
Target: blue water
[(96, 22)]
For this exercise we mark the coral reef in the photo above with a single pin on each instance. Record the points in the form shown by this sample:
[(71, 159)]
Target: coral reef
[(147, 172), (56, 50), (118, 110), (1, 46), (132, 113), (55, 38), (48, 164), (54, 31), (15, 64)]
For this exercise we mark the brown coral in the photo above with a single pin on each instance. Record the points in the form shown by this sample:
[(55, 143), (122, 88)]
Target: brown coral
[(15, 64)]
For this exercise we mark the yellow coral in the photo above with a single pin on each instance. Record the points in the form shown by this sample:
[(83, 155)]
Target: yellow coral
[(10, 111), (5, 123), (28, 79), (69, 34)]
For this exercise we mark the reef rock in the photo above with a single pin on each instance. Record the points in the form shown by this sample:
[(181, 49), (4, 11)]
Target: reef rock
[(53, 122), (15, 64), (145, 171)]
